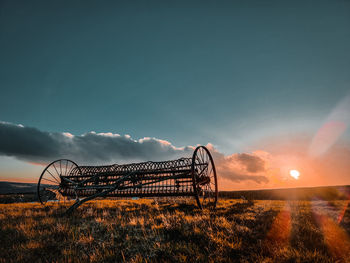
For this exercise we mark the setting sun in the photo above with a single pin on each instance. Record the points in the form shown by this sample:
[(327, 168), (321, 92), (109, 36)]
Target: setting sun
[(295, 174)]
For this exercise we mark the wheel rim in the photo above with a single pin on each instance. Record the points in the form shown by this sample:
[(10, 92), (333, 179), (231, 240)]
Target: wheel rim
[(50, 186), (204, 178)]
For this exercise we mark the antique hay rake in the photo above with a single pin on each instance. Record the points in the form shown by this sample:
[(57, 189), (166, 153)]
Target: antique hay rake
[(196, 176)]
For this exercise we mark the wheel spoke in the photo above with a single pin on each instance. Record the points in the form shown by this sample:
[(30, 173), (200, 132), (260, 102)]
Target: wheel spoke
[(66, 167), (201, 172), (56, 169), (52, 176)]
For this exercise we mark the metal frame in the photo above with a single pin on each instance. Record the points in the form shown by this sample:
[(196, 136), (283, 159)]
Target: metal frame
[(64, 179)]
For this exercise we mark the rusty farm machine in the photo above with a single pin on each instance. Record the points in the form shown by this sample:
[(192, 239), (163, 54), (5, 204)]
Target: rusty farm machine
[(194, 177)]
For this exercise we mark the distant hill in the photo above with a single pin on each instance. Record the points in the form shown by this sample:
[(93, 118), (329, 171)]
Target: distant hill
[(17, 188), (306, 193)]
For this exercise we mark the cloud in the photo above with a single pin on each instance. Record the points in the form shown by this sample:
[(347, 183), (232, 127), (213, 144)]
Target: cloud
[(252, 163), (239, 167), (24, 142), (35, 146)]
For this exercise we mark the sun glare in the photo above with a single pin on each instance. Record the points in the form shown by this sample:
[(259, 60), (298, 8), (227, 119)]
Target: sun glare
[(295, 174)]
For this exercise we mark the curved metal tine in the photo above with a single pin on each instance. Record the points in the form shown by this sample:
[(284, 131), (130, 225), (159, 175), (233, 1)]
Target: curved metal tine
[(88, 179), (71, 167), (128, 184), (68, 180)]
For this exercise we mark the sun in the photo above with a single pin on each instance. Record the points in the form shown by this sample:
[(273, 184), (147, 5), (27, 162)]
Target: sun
[(295, 174)]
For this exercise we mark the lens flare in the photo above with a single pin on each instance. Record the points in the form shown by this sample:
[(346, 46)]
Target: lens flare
[(278, 237), (334, 126)]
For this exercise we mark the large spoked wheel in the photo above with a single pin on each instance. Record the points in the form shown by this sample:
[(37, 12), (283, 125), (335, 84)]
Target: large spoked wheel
[(204, 178), (51, 187)]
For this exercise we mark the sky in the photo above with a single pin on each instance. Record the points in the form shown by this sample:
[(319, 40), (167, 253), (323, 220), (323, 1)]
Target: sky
[(264, 84)]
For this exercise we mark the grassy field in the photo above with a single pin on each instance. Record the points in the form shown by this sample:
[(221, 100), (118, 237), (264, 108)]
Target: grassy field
[(161, 231)]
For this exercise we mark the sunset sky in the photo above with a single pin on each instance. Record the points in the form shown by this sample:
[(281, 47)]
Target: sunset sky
[(264, 84)]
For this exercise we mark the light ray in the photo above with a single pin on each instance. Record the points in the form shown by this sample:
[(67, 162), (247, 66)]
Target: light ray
[(334, 126), (278, 236), (336, 238)]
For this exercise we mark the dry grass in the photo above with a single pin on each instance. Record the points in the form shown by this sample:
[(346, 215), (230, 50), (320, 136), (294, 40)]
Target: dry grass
[(150, 231)]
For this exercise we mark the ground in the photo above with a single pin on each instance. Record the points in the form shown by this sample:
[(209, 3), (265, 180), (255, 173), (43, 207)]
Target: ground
[(168, 231)]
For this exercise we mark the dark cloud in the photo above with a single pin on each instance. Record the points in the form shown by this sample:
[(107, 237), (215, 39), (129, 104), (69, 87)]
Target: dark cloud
[(236, 176), (33, 145), (18, 141), (252, 163)]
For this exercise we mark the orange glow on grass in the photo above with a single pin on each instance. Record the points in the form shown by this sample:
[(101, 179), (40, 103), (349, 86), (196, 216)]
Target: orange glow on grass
[(336, 238), (278, 236)]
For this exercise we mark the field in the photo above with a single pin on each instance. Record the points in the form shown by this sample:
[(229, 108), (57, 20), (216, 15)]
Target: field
[(164, 231)]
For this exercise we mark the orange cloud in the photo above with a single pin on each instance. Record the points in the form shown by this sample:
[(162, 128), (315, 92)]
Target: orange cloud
[(241, 167)]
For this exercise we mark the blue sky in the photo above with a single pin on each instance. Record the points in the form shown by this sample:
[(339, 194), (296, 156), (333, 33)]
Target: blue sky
[(190, 72)]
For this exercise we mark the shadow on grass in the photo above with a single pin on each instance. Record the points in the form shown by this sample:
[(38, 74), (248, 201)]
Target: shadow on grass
[(205, 244), (183, 207), (9, 237), (231, 211)]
